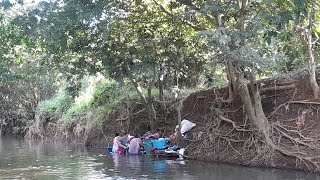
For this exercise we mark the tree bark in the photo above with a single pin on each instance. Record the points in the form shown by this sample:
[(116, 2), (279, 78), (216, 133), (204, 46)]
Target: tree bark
[(311, 64), (179, 108), (160, 83), (233, 84), (148, 103), (253, 105), (262, 121)]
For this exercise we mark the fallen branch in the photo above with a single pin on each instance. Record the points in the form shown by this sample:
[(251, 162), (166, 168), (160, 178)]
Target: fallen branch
[(291, 154), (278, 88), (170, 101), (292, 102), (304, 102)]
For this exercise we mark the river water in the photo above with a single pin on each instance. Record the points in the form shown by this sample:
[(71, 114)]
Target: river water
[(21, 159)]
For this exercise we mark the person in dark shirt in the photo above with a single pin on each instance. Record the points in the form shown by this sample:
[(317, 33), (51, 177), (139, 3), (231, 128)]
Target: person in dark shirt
[(125, 142)]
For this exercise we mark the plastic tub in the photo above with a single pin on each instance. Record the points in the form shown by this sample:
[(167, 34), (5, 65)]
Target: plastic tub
[(160, 143), (109, 149), (147, 146)]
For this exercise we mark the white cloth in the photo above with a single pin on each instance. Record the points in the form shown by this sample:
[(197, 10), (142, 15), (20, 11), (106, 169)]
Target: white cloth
[(115, 146), (186, 126)]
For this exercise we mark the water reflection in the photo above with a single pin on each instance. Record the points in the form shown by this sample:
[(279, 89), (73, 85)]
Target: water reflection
[(20, 159)]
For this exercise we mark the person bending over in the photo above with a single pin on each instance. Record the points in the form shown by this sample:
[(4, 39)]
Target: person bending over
[(135, 145)]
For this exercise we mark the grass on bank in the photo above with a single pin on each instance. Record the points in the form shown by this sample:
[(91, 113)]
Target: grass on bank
[(99, 96)]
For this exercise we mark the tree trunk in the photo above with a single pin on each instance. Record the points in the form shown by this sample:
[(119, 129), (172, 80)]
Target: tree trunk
[(262, 121), (246, 99), (233, 84), (160, 83), (151, 111), (148, 103), (253, 105), (311, 63), (179, 108), (242, 13)]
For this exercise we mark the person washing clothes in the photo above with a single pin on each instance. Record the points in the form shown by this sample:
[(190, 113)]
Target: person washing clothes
[(117, 144), (124, 141), (174, 136), (135, 145)]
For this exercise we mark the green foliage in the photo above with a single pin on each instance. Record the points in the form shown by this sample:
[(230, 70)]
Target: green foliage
[(74, 113), (180, 41), (56, 105), (102, 97), (104, 91), (107, 97)]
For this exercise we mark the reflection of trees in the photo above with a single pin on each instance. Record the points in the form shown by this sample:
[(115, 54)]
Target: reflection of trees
[(43, 160)]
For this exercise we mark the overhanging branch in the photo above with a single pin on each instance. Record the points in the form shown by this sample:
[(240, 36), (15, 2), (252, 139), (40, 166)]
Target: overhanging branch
[(163, 9)]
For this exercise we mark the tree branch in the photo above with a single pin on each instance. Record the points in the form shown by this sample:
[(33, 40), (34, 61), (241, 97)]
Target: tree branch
[(163, 9), (136, 85)]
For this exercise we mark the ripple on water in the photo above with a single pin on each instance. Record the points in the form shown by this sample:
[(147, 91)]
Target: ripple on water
[(67, 161)]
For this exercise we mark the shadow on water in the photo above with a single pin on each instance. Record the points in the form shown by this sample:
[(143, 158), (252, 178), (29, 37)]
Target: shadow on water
[(21, 159)]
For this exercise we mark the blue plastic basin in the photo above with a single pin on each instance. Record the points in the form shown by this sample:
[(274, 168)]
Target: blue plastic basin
[(159, 144), (147, 146)]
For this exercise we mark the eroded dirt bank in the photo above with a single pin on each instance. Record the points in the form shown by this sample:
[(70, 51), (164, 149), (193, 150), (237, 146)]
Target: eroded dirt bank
[(223, 132)]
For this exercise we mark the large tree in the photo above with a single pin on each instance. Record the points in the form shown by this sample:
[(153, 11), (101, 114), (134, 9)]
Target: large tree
[(127, 39)]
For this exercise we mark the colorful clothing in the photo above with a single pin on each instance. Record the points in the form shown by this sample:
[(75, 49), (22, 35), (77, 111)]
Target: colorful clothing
[(150, 135)]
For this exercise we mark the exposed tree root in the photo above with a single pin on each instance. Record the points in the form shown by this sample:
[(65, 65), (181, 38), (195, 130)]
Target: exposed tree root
[(221, 136), (234, 126)]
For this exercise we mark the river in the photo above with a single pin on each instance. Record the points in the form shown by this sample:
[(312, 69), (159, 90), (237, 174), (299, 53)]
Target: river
[(22, 159)]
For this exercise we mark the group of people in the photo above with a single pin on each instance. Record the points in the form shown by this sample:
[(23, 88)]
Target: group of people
[(131, 144), (126, 144), (123, 144)]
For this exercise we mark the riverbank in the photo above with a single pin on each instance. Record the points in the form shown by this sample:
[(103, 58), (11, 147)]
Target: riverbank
[(223, 133)]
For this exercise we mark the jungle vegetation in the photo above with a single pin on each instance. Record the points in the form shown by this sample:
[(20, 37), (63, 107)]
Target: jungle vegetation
[(69, 58)]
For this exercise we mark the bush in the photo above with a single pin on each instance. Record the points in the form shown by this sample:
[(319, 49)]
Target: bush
[(107, 96), (56, 105)]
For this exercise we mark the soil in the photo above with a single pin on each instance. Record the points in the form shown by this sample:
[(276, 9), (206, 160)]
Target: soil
[(287, 102), (215, 140)]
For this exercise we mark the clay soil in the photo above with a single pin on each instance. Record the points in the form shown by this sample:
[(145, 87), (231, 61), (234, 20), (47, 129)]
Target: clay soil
[(290, 108), (223, 133)]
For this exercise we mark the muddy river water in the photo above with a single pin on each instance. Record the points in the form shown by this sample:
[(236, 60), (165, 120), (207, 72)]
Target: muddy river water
[(22, 159)]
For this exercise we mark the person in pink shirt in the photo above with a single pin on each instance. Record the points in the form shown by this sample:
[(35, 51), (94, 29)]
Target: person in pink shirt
[(135, 145)]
